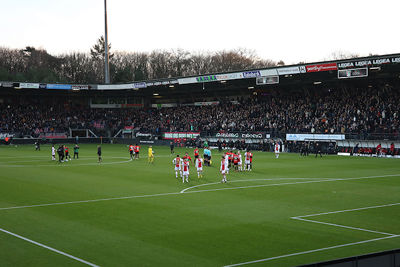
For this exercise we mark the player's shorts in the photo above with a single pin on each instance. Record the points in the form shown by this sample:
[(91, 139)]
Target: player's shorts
[(177, 168), (240, 163), (130, 152), (276, 152), (137, 152), (185, 173), (196, 156), (247, 162), (200, 169), (223, 172)]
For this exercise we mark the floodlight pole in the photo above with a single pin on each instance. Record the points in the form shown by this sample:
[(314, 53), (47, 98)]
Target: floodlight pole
[(106, 57)]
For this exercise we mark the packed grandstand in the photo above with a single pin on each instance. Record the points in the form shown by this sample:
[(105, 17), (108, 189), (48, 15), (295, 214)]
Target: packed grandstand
[(309, 99)]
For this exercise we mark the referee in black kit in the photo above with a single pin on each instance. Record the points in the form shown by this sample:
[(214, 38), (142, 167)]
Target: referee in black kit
[(99, 153)]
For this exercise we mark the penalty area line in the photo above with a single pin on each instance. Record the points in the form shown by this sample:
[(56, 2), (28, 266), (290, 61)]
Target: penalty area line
[(311, 251), (48, 248)]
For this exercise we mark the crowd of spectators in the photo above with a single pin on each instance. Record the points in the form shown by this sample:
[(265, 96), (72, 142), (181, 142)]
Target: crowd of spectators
[(357, 111)]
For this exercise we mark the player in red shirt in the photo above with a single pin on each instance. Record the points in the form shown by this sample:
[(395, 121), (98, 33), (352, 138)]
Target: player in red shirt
[(378, 150), (67, 155), (235, 161), (131, 148), (392, 149), (136, 149), (251, 161), (196, 153), (187, 157)]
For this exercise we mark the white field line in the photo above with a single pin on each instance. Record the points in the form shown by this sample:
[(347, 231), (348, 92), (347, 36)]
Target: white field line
[(340, 211), (49, 248), (65, 164), (189, 192), (6, 163), (248, 180), (305, 182), (311, 251), (342, 226), (88, 201), (331, 224)]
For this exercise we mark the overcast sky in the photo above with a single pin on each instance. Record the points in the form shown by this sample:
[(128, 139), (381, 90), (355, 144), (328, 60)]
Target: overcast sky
[(288, 30)]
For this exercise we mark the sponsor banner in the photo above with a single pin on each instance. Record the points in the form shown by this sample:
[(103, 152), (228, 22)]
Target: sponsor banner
[(132, 105), (251, 74), (146, 142), (288, 70), (269, 72), (6, 135), (42, 86), (267, 80), (59, 86), (370, 62), (29, 85), (80, 87), (105, 105), (304, 137), (258, 135), (209, 78), (7, 84), (116, 105), (181, 135), (53, 135), (139, 85), (210, 103), (166, 105), (139, 134), (229, 76), (115, 86), (321, 67), (352, 73), (187, 80), (366, 155)]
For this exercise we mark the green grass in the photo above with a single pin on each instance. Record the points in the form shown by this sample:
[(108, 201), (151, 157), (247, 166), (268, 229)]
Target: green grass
[(210, 225)]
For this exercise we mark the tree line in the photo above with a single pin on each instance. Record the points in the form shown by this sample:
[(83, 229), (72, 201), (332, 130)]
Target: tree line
[(37, 65)]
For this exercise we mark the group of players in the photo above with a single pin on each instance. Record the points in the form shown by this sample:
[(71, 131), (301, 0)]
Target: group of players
[(134, 151), (63, 153), (229, 159)]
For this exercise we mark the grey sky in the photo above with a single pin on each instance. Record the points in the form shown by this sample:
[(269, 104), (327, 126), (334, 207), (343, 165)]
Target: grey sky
[(291, 30)]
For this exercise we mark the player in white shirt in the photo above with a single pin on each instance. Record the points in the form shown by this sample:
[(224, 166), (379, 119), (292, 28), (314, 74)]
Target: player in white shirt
[(199, 166), (240, 161), (277, 149), (53, 153), (227, 163), (223, 169), (178, 165), (185, 171)]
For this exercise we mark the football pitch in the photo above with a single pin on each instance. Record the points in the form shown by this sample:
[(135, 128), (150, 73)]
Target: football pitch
[(286, 212)]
